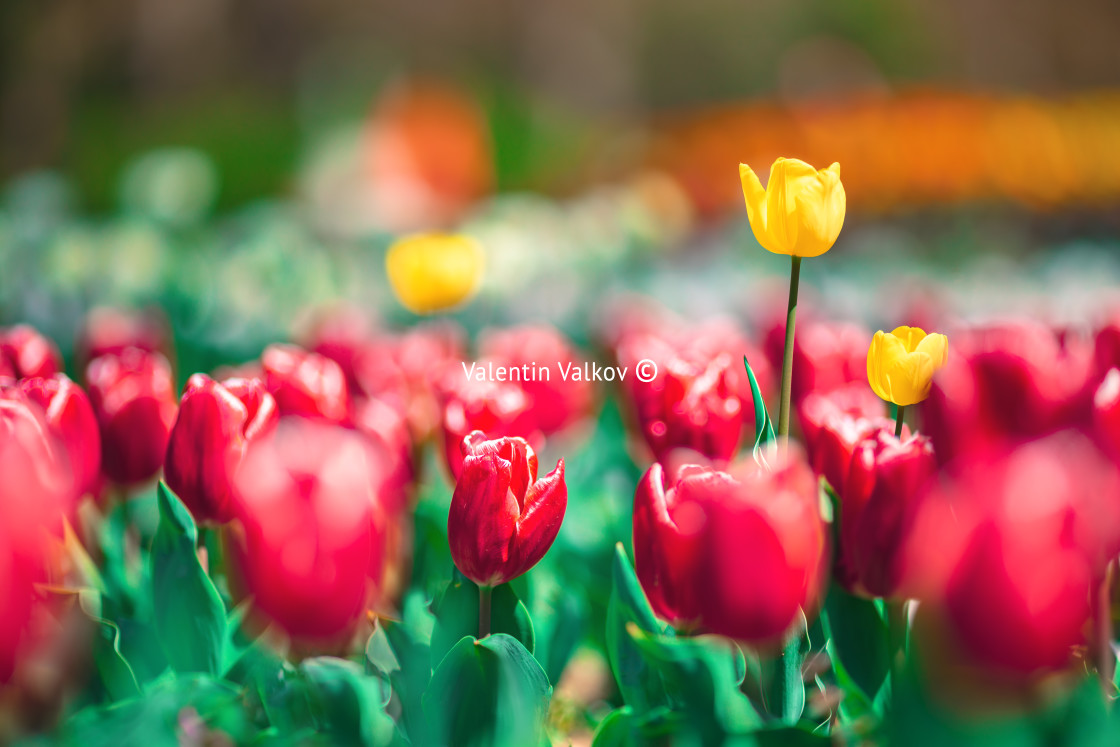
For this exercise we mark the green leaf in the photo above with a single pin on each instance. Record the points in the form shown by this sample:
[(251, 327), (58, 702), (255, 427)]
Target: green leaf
[(113, 670), (639, 683), (409, 646), (190, 619), (783, 682), (456, 614), (763, 427), (560, 617), (488, 692), (618, 729), (347, 705), (702, 676), (857, 644)]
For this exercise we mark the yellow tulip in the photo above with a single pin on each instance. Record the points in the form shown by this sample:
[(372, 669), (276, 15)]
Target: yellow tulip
[(432, 272), (800, 212), (901, 363)]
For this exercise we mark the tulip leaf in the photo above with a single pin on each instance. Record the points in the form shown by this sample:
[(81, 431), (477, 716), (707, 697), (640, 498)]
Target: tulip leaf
[(487, 692), (702, 677), (857, 644), (639, 683), (114, 672), (559, 615), (782, 678), (346, 704), (763, 427), (618, 729), (190, 619), (456, 616), (407, 663)]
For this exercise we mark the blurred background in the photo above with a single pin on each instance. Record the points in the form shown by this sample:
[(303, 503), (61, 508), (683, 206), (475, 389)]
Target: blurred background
[(236, 163)]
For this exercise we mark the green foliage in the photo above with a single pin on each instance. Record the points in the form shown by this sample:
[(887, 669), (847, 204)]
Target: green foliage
[(190, 619), (456, 613)]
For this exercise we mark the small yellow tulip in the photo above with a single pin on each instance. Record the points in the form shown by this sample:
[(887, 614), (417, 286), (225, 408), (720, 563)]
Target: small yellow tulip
[(800, 212), (901, 363), (432, 272)]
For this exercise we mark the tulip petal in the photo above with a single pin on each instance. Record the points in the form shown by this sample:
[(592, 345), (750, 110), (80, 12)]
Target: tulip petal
[(937, 347), (911, 336), (482, 519), (755, 197), (540, 521), (821, 204)]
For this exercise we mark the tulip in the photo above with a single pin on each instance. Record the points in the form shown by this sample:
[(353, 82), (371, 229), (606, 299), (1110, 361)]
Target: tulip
[(35, 493), (434, 272), (900, 366), (134, 400), (691, 405), (305, 383), (827, 355), (503, 519), (556, 403), (739, 555), (495, 408), (110, 331), (310, 522), (884, 480), (25, 353), (843, 412), (1106, 414), (1021, 537), (800, 213), (215, 426), (70, 417)]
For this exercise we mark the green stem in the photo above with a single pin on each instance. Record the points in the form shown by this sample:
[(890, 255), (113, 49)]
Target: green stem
[(787, 356), (897, 631), (484, 594), (1106, 659), (898, 421)]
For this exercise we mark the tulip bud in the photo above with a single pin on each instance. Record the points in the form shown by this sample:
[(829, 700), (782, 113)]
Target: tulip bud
[(496, 409), (215, 425), (901, 364), (503, 519), (884, 480), (738, 555), (305, 383), (801, 211), (111, 331), (826, 355), (70, 417), (433, 272), (311, 520), (556, 402), (25, 353), (134, 400)]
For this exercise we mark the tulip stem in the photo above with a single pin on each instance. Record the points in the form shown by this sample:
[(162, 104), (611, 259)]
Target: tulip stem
[(484, 594), (787, 354), (898, 421), (898, 624), (1106, 657)]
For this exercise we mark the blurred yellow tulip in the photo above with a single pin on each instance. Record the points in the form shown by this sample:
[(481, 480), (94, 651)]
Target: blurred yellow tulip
[(901, 363), (800, 212), (432, 272)]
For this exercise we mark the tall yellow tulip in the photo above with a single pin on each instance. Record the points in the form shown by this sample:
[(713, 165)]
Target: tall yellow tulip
[(901, 364), (432, 272), (800, 213)]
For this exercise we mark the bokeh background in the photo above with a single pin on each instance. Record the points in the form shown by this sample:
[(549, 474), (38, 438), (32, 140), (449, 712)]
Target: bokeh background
[(237, 163)]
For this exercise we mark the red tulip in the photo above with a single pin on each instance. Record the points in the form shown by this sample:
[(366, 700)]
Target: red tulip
[(1008, 553), (740, 555), (884, 481), (25, 353), (1106, 414), (215, 426), (134, 399), (833, 423), (1005, 383), (826, 355), (497, 409), (503, 519), (70, 416), (36, 491), (111, 331), (306, 499), (691, 404), (557, 403), (305, 383)]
